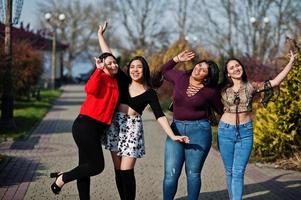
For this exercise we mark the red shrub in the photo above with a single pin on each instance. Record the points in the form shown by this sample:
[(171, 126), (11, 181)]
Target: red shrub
[(27, 67)]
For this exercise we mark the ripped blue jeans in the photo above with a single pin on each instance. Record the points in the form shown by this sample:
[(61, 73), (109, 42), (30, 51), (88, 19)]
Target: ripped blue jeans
[(193, 154)]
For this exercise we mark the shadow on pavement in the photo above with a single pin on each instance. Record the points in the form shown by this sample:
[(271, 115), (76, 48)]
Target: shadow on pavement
[(48, 127), (18, 170), (284, 190), (26, 144)]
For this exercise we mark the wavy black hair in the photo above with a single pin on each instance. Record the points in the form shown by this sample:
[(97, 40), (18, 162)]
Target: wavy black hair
[(102, 57), (213, 73), (105, 55), (146, 79), (227, 82)]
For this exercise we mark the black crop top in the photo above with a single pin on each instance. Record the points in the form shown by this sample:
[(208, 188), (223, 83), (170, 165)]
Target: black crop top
[(139, 102)]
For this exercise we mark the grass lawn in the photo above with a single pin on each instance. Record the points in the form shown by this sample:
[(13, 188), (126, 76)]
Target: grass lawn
[(28, 113)]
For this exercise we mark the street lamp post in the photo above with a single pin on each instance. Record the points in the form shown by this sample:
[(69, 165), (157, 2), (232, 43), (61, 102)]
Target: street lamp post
[(55, 20), (260, 28)]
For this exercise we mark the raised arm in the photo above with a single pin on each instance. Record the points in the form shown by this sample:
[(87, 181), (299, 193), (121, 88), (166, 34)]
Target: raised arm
[(184, 56), (181, 57), (102, 43), (93, 84), (279, 78), (167, 69)]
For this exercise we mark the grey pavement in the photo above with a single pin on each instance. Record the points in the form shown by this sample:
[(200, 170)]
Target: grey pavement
[(24, 174)]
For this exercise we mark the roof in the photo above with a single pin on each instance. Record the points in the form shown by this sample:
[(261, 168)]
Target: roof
[(38, 39)]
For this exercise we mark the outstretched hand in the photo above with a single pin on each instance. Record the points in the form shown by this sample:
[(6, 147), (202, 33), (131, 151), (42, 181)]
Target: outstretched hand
[(183, 139), (99, 63), (185, 56), (102, 28), (292, 56)]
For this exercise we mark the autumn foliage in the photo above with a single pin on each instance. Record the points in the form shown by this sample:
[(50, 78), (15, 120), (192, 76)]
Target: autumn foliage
[(27, 67)]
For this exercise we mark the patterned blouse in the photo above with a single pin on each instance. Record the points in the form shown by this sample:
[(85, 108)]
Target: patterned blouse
[(245, 93)]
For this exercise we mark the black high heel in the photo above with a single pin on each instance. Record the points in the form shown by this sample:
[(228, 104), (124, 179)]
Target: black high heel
[(54, 174), (54, 187)]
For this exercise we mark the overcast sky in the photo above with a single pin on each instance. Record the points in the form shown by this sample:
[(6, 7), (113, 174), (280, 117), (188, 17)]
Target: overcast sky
[(30, 14)]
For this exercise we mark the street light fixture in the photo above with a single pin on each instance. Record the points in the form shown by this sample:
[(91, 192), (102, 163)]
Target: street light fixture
[(55, 20), (253, 20), (266, 20), (259, 33)]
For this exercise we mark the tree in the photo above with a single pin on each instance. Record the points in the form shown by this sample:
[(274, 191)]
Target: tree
[(255, 27), (142, 22), (80, 28)]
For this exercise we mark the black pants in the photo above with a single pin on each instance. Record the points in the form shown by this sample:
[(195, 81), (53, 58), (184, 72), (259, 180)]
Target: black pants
[(87, 134)]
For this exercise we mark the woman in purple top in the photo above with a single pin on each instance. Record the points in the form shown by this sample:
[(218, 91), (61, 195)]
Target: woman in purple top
[(193, 94)]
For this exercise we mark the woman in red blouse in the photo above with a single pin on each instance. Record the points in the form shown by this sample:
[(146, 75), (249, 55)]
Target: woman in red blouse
[(95, 115)]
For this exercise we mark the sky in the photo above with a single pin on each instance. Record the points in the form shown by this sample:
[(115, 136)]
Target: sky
[(30, 15)]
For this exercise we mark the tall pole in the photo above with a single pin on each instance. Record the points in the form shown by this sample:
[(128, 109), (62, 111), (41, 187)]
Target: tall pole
[(53, 59), (55, 20), (7, 106)]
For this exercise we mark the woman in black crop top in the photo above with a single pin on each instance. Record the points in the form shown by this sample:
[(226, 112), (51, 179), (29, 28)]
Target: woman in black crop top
[(125, 137)]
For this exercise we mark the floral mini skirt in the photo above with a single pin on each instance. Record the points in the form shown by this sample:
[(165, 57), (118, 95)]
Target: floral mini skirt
[(125, 136)]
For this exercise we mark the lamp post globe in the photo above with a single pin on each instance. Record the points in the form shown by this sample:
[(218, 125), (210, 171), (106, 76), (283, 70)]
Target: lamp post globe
[(252, 20), (266, 20), (48, 16), (62, 17)]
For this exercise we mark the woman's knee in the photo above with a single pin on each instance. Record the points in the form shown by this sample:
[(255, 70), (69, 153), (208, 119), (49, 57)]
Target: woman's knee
[(172, 173), (97, 168), (192, 174), (238, 172)]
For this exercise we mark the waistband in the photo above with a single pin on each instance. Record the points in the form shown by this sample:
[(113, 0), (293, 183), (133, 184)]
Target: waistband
[(191, 121), (221, 123), (128, 116)]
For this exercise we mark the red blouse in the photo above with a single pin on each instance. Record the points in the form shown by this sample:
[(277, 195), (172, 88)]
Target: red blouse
[(102, 97)]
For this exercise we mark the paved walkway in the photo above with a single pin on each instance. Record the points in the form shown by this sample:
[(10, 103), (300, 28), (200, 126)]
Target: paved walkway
[(24, 175)]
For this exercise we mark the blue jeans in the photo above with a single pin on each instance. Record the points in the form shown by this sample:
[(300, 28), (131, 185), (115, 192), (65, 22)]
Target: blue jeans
[(235, 149), (193, 154)]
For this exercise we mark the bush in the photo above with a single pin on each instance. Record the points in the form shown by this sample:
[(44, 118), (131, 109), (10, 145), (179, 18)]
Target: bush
[(277, 128), (27, 67)]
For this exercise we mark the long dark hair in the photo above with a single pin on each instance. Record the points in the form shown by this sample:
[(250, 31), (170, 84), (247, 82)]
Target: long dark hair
[(146, 80), (227, 81), (211, 79)]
